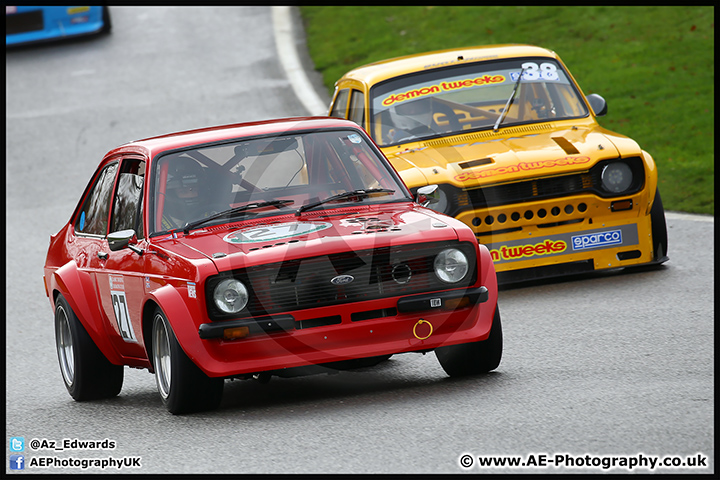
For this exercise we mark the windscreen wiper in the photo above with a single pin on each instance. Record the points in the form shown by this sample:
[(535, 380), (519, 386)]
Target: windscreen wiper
[(341, 196), (234, 211), (509, 102)]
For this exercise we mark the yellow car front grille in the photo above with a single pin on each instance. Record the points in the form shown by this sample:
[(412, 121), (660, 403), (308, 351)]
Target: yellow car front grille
[(500, 221)]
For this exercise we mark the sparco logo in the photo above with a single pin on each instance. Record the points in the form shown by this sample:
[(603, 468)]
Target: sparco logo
[(592, 240), (342, 280)]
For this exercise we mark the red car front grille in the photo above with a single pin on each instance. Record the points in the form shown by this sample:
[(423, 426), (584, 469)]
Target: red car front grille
[(377, 273)]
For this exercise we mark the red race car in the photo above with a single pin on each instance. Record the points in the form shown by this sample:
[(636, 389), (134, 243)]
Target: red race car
[(282, 247)]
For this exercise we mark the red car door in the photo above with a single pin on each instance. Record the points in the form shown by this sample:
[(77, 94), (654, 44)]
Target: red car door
[(120, 276)]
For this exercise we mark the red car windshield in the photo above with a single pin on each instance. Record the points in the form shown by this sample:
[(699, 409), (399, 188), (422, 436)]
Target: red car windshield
[(288, 171)]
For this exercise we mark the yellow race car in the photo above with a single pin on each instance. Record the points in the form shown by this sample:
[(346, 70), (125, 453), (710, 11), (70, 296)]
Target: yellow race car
[(516, 153)]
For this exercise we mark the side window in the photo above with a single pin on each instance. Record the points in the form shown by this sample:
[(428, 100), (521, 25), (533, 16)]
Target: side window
[(340, 106), (357, 108), (127, 206), (93, 217)]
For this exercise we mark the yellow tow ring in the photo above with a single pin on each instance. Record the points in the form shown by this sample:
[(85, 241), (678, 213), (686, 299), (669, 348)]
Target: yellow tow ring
[(420, 322)]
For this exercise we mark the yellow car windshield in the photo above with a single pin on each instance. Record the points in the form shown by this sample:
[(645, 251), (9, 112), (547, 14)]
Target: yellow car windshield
[(458, 99)]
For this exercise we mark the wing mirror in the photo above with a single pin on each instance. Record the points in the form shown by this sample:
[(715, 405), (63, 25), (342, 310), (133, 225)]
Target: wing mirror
[(428, 195), (122, 239), (598, 104)]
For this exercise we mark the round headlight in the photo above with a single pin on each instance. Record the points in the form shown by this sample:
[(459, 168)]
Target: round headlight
[(230, 296), (617, 177), (451, 265)]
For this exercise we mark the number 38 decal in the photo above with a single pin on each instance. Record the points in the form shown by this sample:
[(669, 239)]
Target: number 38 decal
[(545, 71)]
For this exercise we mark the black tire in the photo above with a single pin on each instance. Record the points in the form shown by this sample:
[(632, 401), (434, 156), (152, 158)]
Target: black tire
[(659, 229), (476, 357), (107, 23), (87, 374), (183, 387)]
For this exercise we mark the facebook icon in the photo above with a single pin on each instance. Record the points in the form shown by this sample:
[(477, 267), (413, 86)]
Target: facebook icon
[(17, 462)]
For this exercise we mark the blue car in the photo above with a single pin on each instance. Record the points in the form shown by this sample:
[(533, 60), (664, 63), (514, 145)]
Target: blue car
[(38, 24)]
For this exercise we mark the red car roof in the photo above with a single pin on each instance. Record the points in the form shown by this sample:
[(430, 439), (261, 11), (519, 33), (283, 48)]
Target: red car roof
[(153, 145)]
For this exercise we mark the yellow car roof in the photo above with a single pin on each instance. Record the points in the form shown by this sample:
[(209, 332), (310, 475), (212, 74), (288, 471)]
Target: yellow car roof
[(378, 71)]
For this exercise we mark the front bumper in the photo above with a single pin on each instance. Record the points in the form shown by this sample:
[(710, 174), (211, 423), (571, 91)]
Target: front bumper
[(564, 236), (41, 24), (285, 323), (335, 334)]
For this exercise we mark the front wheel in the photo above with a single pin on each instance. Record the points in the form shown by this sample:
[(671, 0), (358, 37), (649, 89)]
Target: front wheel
[(87, 374), (475, 357), (183, 387)]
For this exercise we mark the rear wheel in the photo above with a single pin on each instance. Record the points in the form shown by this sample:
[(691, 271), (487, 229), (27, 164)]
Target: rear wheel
[(475, 357), (659, 229), (107, 23), (183, 387), (87, 374)]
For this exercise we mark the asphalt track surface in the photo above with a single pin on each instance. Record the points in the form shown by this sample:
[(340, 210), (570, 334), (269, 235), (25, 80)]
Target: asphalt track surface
[(617, 365)]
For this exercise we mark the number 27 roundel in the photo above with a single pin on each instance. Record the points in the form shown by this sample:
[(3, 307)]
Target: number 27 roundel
[(275, 232), (117, 294)]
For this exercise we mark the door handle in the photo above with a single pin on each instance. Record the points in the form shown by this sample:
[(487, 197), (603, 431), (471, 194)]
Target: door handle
[(103, 255)]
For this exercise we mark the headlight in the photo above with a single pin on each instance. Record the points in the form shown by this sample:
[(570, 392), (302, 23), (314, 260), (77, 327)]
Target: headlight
[(617, 177), (451, 265), (230, 296)]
